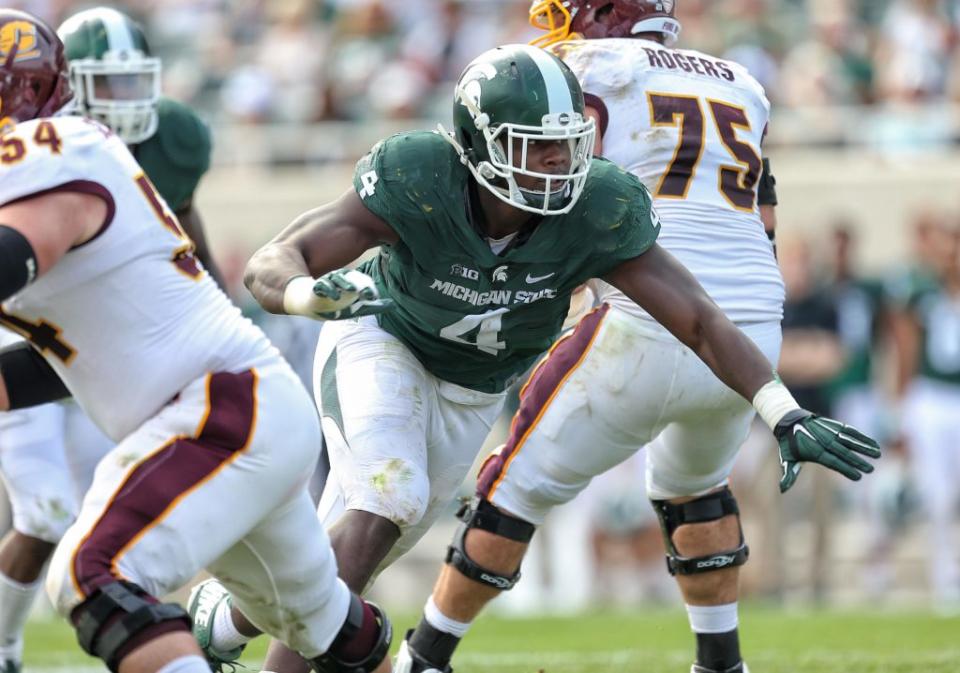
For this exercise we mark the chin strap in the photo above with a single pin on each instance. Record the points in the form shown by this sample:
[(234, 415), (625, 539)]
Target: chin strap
[(450, 138), (477, 173)]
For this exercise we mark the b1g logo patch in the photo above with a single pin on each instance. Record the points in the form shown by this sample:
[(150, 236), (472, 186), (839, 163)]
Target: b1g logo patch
[(20, 36), (461, 271)]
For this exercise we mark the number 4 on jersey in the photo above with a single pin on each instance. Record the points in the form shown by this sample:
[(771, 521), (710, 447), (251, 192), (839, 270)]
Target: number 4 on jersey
[(482, 331), (369, 181)]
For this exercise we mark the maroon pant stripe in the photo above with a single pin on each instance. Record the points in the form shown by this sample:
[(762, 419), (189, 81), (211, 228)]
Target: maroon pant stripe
[(158, 483), (543, 385)]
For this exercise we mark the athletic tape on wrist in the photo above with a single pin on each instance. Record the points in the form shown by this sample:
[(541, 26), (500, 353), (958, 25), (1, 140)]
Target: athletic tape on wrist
[(773, 401), (297, 294)]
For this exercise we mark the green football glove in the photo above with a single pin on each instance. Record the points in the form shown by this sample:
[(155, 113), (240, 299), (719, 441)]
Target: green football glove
[(806, 437), (336, 295)]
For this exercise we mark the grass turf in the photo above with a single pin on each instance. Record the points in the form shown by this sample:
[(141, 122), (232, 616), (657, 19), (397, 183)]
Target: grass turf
[(653, 641)]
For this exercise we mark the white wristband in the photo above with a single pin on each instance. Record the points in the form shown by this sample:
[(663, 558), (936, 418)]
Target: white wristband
[(773, 402), (298, 296)]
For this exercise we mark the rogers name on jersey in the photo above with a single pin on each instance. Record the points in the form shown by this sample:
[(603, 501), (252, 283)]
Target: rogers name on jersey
[(499, 297)]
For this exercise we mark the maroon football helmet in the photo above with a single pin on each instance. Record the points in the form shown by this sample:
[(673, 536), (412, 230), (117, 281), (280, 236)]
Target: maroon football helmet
[(34, 80), (565, 19)]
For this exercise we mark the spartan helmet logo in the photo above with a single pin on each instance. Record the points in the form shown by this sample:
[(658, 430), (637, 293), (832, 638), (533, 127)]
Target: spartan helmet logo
[(500, 274), (470, 84), (665, 6)]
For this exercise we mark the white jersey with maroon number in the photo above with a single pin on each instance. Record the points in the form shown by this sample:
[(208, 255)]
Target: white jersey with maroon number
[(128, 318), (689, 126), (9, 338)]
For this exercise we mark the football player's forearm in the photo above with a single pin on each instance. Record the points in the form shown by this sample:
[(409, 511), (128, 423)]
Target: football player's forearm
[(269, 271), (672, 295), (730, 354), (27, 379), (768, 215), (906, 339)]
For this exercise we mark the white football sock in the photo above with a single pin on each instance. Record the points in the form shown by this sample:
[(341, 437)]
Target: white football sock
[(713, 618), (16, 599), (188, 664), (225, 634), (441, 622)]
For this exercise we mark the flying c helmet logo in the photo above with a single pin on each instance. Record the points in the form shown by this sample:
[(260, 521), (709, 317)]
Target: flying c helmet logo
[(20, 36)]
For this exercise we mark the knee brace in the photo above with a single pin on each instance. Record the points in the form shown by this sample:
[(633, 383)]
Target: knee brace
[(479, 513), (711, 507), (112, 617), (328, 662)]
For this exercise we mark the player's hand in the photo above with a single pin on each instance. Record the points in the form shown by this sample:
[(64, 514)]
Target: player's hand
[(340, 294), (806, 437)]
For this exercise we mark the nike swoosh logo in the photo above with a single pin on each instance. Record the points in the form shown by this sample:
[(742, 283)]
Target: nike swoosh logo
[(537, 279), (800, 428)]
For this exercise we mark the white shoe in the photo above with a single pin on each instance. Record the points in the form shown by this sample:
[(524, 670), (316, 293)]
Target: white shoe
[(202, 605), (699, 669)]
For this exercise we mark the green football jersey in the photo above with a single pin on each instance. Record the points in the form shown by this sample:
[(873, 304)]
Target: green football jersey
[(939, 316), (177, 155), (473, 317), (859, 303)]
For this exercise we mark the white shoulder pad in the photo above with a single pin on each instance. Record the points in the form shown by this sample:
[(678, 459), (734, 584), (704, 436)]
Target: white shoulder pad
[(43, 154), (748, 81), (599, 66)]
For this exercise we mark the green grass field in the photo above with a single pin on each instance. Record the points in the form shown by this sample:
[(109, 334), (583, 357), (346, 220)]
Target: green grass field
[(656, 641)]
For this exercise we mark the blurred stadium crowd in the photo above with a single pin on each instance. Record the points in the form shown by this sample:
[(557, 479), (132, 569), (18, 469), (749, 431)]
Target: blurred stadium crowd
[(304, 61)]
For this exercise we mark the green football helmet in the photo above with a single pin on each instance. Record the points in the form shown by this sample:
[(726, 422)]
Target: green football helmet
[(114, 77), (521, 93)]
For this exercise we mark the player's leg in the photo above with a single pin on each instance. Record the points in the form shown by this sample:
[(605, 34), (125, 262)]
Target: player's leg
[(576, 420), (375, 400), (266, 585), (687, 470), (34, 471), (929, 422), (395, 447), (172, 498)]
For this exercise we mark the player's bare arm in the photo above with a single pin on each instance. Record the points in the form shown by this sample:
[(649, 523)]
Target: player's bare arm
[(34, 235), (321, 240), (906, 335), (192, 225), (664, 288), (54, 223), (767, 202)]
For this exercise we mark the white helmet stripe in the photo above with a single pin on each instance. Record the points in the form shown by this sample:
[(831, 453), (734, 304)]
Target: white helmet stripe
[(117, 30), (558, 91)]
